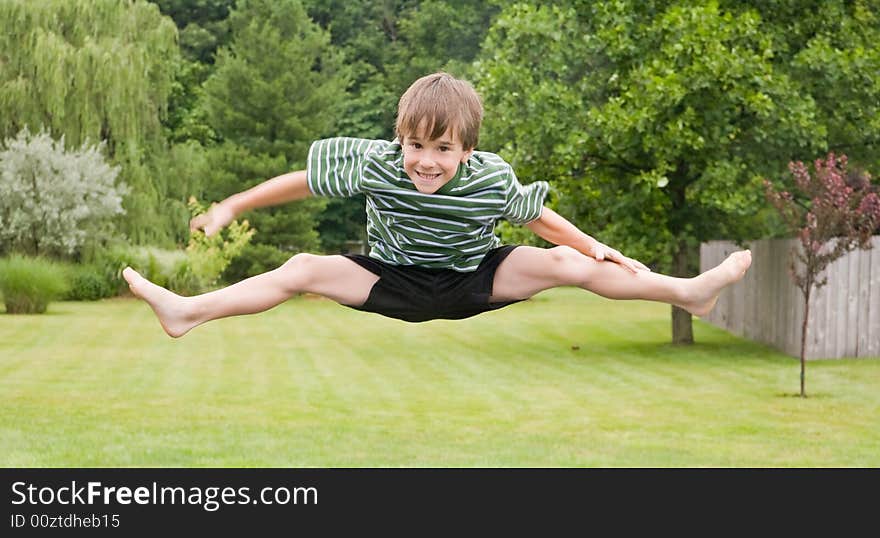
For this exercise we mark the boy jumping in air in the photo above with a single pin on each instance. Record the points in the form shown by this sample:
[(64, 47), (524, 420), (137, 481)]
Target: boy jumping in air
[(432, 202)]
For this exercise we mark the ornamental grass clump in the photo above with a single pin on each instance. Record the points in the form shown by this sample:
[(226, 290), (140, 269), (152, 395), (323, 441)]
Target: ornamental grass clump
[(28, 284)]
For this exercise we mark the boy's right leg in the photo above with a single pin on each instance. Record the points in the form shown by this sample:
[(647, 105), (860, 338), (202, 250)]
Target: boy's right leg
[(334, 277)]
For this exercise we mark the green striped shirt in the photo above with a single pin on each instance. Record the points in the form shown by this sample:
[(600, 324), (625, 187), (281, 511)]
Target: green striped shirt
[(452, 228)]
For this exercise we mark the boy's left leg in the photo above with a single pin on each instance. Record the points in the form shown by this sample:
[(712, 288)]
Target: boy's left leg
[(529, 270)]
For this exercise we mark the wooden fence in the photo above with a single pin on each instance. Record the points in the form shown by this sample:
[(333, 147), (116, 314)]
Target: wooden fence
[(766, 305)]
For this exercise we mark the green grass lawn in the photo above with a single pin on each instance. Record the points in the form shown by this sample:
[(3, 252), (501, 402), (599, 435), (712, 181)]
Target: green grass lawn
[(566, 379)]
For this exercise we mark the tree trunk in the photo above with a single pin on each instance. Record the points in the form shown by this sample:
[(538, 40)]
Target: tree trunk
[(35, 232), (682, 323), (682, 326), (804, 343)]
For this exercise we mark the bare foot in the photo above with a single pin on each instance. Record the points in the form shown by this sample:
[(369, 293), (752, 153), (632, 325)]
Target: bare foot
[(170, 308), (708, 285)]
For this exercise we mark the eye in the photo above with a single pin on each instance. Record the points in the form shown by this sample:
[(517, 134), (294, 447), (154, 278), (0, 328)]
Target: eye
[(416, 145), (444, 148)]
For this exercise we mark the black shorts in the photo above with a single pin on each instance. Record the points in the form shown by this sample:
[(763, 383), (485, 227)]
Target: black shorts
[(414, 293)]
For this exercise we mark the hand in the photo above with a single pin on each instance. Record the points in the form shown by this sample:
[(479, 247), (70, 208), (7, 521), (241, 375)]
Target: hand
[(211, 222), (602, 252)]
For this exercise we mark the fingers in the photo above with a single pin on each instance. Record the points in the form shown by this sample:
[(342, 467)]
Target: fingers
[(201, 222), (205, 223), (626, 263), (631, 265)]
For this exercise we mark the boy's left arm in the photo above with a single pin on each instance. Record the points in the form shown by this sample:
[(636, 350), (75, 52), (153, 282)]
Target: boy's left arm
[(556, 229)]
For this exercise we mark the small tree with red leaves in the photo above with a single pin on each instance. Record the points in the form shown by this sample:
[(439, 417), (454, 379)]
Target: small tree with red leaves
[(833, 212)]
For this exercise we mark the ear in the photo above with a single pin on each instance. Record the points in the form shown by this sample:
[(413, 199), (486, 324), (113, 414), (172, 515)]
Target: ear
[(467, 155)]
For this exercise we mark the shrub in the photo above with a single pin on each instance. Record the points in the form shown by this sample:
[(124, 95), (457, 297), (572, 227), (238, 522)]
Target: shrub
[(30, 284), (184, 280), (254, 260), (207, 257), (52, 199), (90, 283), (158, 265), (186, 272)]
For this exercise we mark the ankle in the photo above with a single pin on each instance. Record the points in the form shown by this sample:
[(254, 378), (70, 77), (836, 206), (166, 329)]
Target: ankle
[(691, 291)]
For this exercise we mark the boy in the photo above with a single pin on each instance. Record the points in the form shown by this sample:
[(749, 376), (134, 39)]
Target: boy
[(432, 204)]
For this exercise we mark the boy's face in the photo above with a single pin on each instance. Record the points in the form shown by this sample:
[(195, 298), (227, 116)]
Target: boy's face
[(430, 164)]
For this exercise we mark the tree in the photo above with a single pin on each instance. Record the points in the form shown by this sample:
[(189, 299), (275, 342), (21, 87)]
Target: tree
[(435, 35), (279, 86), (830, 49), (656, 120), (53, 200), (280, 83), (203, 27), (833, 212), (95, 71), (229, 168)]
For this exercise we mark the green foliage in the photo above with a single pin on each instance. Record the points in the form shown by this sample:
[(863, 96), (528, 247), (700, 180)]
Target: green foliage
[(279, 86), (830, 49), (189, 169), (255, 259), (280, 83), (437, 35), (656, 119), (518, 235), (91, 70), (207, 257), (156, 264), (187, 120), (89, 283), (29, 284), (390, 43), (53, 201), (203, 25), (229, 168), (343, 220), (95, 71)]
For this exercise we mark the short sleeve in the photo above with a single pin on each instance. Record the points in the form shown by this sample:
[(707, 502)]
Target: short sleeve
[(524, 202), (335, 165)]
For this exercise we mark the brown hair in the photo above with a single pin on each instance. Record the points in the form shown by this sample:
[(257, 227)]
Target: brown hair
[(442, 101)]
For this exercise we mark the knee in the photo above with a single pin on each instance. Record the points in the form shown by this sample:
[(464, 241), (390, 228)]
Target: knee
[(569, 266), (302, 259), (299, 271)]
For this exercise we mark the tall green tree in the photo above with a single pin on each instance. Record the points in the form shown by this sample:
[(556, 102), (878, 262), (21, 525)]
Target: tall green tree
[(277, 87), (390, 43), (280, 84), (203, 26), (95, 70), (656, 119)]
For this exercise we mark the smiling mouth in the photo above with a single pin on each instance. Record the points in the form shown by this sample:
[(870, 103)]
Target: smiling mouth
[(427, 177)]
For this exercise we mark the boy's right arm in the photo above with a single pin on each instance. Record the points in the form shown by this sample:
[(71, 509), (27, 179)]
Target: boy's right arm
[(278, 190)]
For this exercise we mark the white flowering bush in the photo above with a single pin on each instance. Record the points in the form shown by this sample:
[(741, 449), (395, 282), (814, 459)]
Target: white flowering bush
[(52, 199)]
